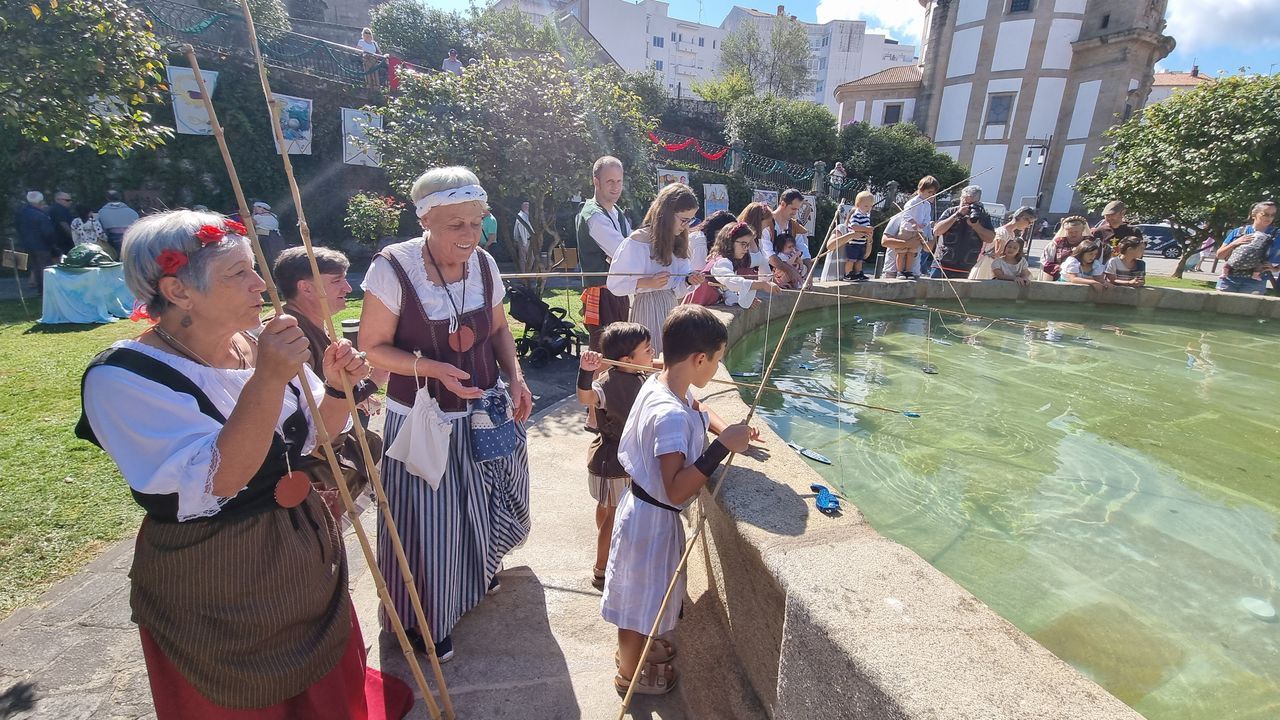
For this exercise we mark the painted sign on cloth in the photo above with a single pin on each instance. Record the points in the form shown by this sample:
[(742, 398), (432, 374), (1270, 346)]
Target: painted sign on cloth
[(666, 176), (768, 197), (295, 122), (808, 213), (716, 198), (356, 149), (189, 115)]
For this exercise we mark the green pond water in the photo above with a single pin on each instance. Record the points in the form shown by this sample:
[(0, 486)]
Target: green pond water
[(1108, 486)]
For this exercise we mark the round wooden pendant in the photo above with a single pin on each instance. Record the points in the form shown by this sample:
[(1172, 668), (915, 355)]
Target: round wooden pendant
[(292, 489), (462, 339)]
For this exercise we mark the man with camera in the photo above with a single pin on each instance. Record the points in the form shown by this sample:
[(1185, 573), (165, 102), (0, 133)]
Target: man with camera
[(961, 232)]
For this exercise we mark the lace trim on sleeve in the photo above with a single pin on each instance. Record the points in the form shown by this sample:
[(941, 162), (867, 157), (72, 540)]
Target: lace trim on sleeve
[(206, 504)]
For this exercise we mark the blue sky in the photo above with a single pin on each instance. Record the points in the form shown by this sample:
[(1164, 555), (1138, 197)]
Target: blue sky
[(1220, 35)]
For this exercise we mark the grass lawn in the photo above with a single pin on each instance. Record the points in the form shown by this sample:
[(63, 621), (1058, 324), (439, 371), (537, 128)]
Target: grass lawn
[(61, 499), (1182, 283)]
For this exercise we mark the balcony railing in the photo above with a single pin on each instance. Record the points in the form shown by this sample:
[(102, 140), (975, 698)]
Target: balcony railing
[(225, 32)]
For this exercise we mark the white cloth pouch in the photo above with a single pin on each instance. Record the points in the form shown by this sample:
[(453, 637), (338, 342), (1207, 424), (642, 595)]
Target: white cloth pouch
[(423, 441)]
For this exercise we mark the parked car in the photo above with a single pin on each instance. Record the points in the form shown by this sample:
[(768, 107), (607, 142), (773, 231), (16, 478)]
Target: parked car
[(1160, 240)]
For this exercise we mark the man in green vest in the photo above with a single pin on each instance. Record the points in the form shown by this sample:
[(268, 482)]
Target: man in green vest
[(601, 228)]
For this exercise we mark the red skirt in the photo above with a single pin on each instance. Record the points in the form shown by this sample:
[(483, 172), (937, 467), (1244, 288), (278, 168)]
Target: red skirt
[(350, 691)]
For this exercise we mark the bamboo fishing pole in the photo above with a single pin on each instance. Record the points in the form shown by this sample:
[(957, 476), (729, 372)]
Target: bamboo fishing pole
[(773, 388), (325, 439), (370, 465), (702, 518)]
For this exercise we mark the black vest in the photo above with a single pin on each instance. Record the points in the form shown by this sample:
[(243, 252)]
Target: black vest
[(256, 497)]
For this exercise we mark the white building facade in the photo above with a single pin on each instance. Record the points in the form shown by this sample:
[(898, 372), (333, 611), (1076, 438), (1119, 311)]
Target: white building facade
[(642, 35), (1022, 91)]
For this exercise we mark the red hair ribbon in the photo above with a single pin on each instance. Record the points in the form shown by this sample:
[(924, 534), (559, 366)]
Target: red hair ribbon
[(141, 313)]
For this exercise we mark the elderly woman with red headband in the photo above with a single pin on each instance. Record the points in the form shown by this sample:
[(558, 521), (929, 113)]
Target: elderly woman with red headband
[(433, 316), (239, 578)]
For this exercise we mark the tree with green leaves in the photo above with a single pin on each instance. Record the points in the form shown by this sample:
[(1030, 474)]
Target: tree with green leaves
[(77, 73), (530, 127), (898, 153), (796, 131), (424, 34), (734, 85), (1199, 160), (266, 13), (779, 66)]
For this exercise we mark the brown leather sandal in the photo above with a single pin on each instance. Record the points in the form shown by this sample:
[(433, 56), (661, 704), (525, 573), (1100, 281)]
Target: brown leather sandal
[(660, 651), (655, 679)]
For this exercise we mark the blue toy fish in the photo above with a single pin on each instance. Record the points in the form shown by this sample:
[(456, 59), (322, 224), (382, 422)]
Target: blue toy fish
[(824, 499)]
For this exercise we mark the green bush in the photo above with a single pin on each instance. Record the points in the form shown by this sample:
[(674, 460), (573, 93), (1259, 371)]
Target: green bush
[(372, 217)]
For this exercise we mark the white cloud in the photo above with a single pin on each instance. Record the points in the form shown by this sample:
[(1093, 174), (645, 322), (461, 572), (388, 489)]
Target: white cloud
[(1204, 26), (900, 19)]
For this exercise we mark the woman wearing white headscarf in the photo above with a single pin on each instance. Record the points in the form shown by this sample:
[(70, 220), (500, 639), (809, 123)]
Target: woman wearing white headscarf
[(433, 316)]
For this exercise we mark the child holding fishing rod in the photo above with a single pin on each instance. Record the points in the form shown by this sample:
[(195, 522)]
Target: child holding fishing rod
[(664, 449)]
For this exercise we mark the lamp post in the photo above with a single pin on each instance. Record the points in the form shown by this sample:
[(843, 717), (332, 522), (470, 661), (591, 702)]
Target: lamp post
[(1041, 153)]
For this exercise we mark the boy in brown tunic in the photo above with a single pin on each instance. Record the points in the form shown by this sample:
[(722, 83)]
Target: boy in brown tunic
[(611, 394)]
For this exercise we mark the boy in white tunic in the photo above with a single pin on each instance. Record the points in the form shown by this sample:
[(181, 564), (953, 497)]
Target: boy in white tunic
[(664, 450)]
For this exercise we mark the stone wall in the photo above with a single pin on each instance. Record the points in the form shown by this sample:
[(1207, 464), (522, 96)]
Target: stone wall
[(830, 620)]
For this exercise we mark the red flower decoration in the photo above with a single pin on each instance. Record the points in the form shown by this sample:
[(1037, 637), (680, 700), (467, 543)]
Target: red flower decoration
[(208, 234), (234, 227), (171, 261), (140, 313)]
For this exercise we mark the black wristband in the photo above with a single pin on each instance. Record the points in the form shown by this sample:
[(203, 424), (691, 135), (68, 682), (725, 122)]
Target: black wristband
[(334, 392), (586, 379), (712, 458), (363, 390)]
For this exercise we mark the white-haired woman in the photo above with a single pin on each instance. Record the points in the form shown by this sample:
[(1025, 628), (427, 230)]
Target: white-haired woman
[(433, 315), (239, 578)]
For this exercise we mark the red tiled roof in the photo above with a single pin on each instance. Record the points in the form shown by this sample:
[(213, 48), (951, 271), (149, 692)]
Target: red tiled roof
[(899, 75)]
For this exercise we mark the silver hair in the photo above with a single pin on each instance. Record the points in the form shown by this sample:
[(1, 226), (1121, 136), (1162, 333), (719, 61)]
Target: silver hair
[(150, 236), (442, 178), (1260, 207), (35, 197), (971, 191)]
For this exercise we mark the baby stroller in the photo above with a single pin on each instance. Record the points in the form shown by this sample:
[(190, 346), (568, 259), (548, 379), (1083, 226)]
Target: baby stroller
[(547, 334)]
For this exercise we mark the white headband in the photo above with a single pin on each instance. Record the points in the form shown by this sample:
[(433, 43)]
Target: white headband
[(466, 193)]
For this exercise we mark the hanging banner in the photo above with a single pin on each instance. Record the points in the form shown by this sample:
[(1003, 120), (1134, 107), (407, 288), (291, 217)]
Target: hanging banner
[(716, 198), (666, 176), (356, 149), (768, 197), (295, 122), (808, 214), (189, 114)]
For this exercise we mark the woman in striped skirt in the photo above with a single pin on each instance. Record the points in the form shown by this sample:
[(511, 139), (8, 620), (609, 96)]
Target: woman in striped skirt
[(433, 316), (652, 265)]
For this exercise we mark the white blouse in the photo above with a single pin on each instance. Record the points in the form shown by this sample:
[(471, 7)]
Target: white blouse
[(697, 250), (381, 280), (160, 440), (634, 261), (738, 290)]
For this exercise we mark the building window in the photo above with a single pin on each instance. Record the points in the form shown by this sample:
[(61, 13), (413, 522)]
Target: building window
[(892, 114), (1128, 111), (681, 37), (1016, 6), (999, 109), (659, 41), (673, 36), (702, 42), (657, 64), (826, 40), (1106, 20), (713, 44), (817, 89)]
